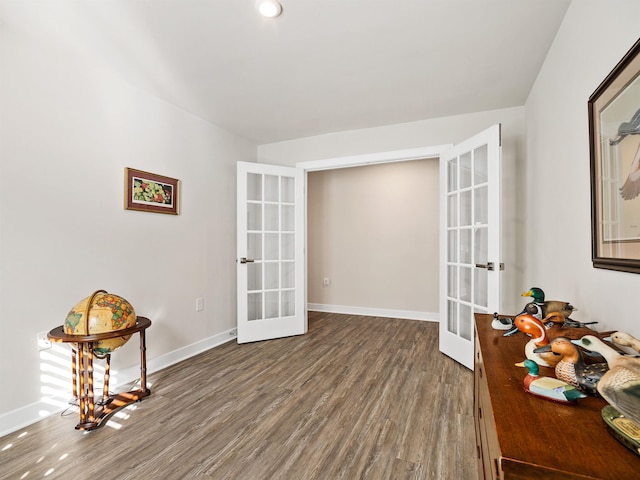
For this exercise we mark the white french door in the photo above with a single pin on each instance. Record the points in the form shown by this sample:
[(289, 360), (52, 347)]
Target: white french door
[(470, 230), (270, 252)]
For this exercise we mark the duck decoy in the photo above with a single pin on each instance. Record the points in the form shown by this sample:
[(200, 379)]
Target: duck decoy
[(501, 322), (532, 309), (572, 368), (623, 339), (621, 428), (549, 306), (530, 325), (620, 386), (548, 388), (558, 318)]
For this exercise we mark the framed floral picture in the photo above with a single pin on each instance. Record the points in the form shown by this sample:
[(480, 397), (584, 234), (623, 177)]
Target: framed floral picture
[(149, 192), (614, 145)]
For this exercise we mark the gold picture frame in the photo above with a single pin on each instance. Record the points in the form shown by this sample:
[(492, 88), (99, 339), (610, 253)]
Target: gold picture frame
[(149, 192), (614, 148)]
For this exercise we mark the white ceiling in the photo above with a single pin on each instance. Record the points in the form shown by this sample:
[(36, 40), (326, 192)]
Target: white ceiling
[(322, 66)]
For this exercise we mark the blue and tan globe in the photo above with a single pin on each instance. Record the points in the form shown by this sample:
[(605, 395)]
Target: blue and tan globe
[(101, 312)]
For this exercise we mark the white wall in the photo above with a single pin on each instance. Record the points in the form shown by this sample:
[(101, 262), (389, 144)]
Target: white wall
[(67, 131), (592, 39), (447, 130), (373, 231)]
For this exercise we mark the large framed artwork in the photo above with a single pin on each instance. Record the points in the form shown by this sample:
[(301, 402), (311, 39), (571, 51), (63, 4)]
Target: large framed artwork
[(614, 143), (149, 192)]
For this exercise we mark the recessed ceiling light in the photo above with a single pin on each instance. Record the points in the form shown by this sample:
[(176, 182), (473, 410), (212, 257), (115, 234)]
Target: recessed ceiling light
[(269, 8)]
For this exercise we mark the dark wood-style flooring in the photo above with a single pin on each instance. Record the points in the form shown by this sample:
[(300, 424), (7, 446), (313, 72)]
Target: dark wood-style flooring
[(355, 398)]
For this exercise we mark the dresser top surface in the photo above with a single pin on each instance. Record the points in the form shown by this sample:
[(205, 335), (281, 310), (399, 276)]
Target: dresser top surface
[(542, 433)]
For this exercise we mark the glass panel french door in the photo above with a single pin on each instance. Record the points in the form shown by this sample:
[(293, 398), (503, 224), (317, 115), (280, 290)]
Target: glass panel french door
[(470, 240), (271, 236)]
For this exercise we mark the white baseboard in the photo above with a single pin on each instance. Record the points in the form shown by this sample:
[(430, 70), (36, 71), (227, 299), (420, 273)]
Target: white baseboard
[(375, 312), (25, 416)]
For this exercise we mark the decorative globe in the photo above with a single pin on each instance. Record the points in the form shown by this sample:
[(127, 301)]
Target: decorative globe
[(101, 312)]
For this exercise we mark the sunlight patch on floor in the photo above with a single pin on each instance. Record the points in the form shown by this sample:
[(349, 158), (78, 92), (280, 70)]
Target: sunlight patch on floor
[(56, 386)]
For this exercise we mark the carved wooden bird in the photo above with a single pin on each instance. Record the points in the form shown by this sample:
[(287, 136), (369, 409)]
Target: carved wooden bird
[(549, 306), (572, 368), (623, 339), (547, 387), (620, 386), (530, 325)]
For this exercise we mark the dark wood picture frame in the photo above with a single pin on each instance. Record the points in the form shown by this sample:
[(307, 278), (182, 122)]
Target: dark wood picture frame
[(614, 149), (149, 192)]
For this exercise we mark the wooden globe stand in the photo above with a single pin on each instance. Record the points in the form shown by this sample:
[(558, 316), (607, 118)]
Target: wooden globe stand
[(92, 415)]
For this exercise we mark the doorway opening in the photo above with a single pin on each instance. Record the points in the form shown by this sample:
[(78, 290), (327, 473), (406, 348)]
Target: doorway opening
[(372, 240)]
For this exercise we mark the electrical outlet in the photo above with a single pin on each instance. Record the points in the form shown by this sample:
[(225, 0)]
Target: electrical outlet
[(325, 282), (43, 341), (199, 304)]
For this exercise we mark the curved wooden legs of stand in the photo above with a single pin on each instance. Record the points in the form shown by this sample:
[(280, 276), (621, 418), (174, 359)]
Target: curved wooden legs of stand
[(94, 415)]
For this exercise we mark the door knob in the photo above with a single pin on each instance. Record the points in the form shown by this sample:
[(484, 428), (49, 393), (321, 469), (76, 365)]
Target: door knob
[(488, 265), (246, 260)]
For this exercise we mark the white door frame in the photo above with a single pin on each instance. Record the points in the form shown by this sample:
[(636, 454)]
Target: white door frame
[(419, 153), (392, 156)]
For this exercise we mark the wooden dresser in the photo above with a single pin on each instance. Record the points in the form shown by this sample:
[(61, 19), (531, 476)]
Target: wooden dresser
[(520, 436)]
